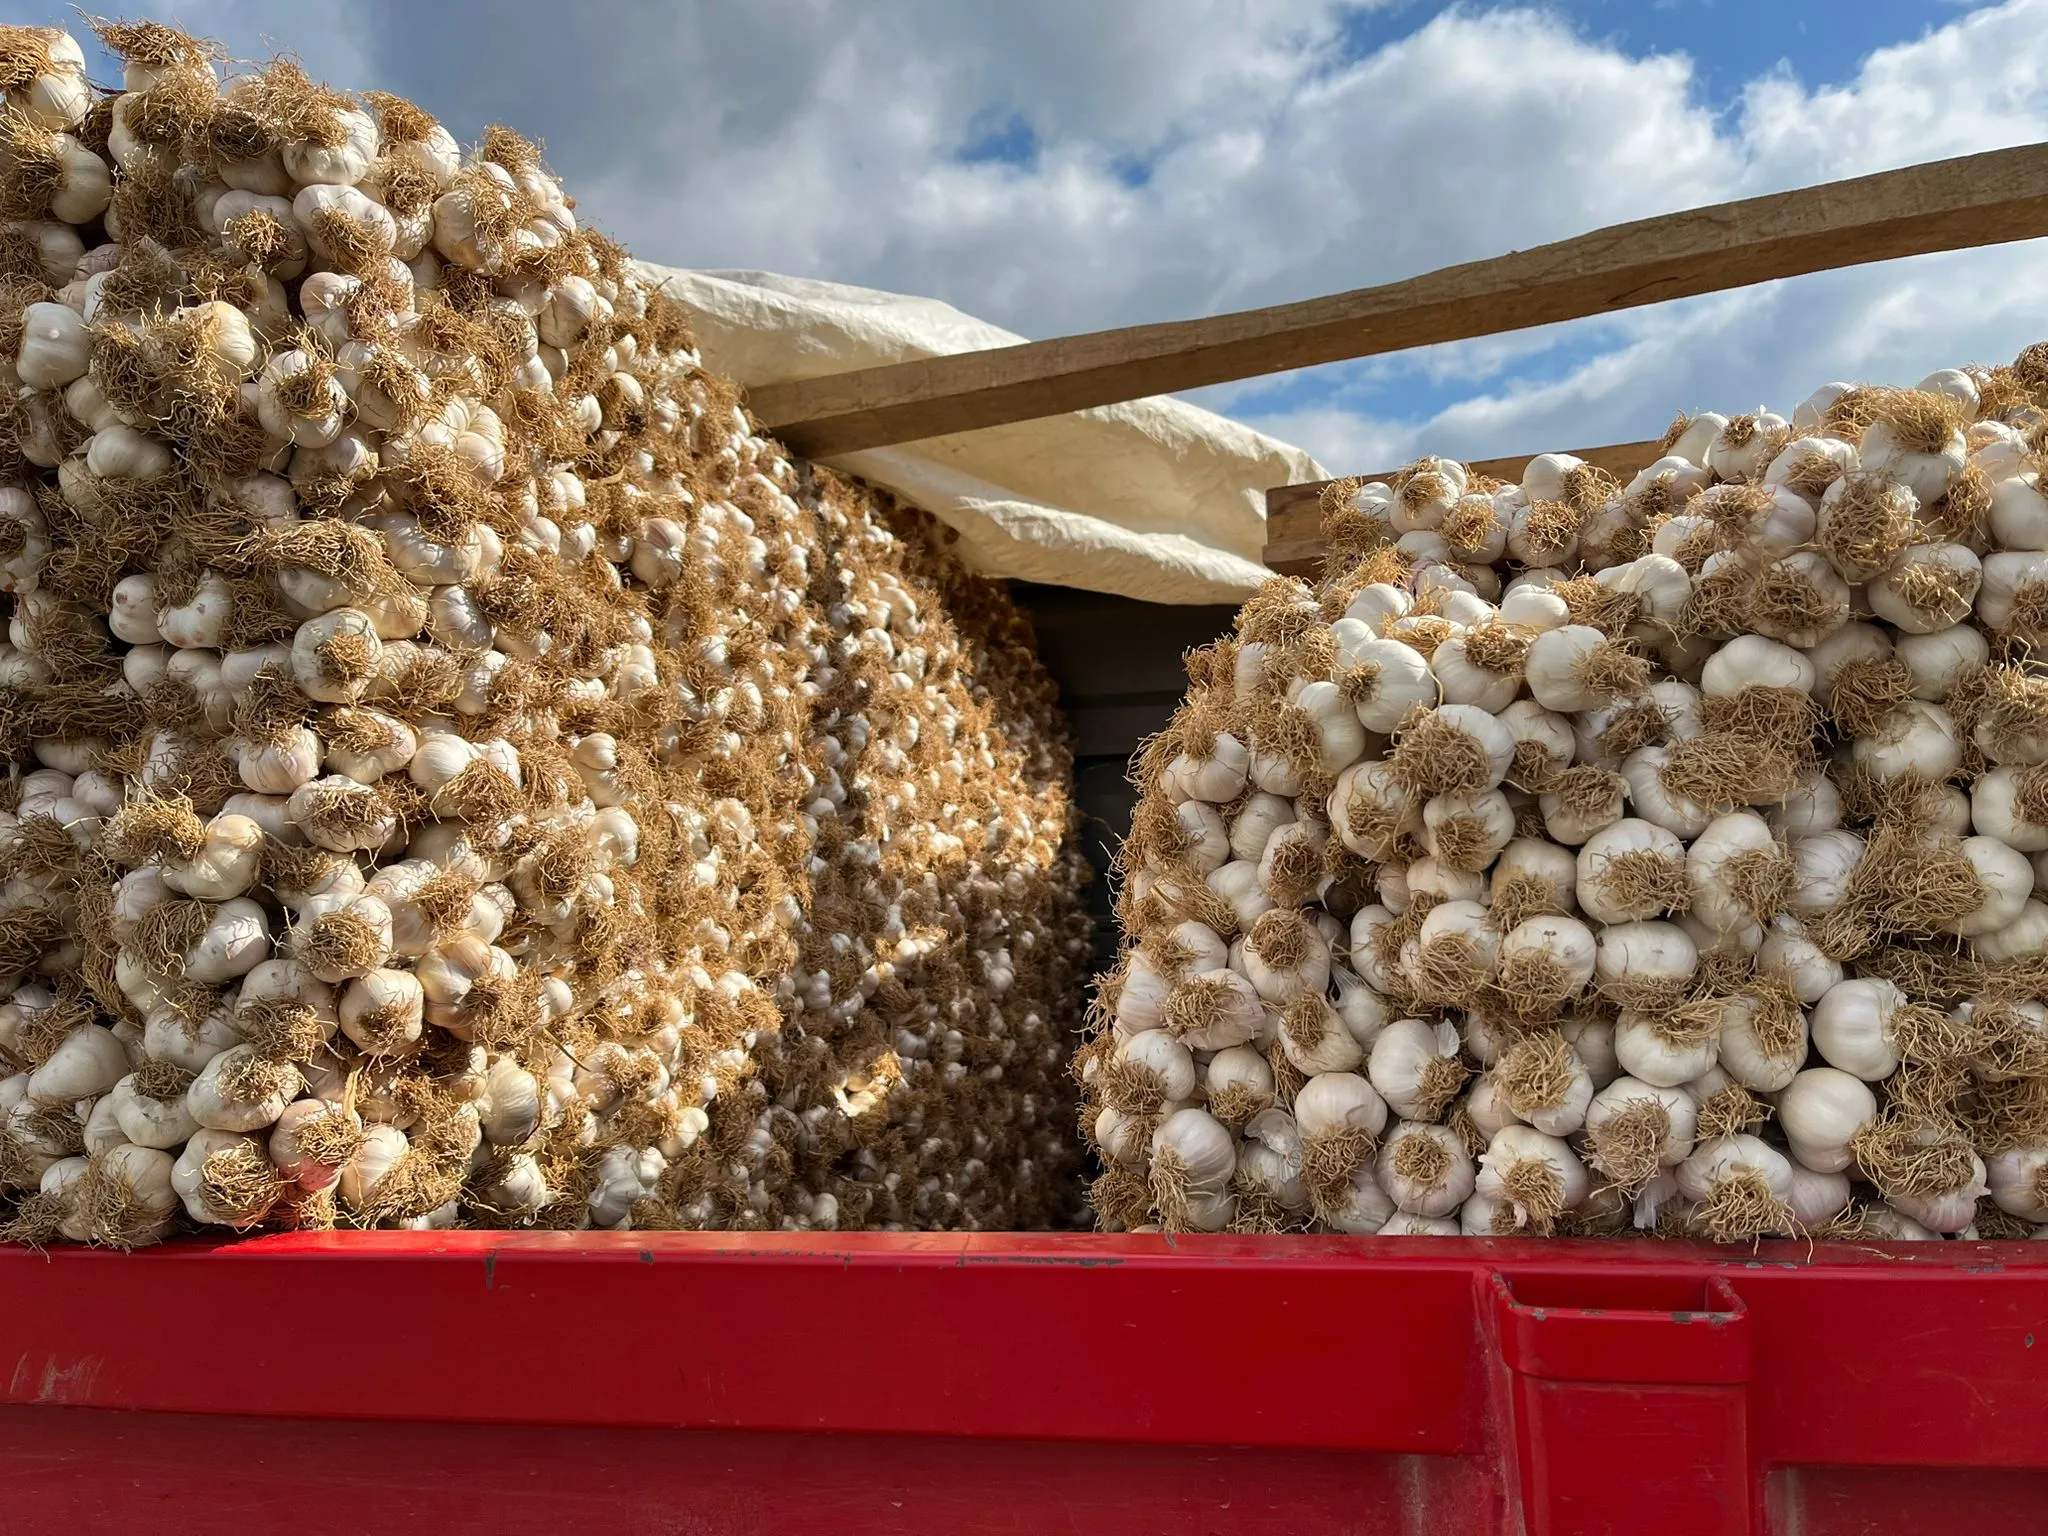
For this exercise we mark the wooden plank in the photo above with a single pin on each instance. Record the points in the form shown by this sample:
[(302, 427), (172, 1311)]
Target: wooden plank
[(1946, 205), (1294, 539)]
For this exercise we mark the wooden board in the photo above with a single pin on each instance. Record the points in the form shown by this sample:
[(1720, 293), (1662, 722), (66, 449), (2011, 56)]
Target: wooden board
[(1946, 205), (1294, 537)]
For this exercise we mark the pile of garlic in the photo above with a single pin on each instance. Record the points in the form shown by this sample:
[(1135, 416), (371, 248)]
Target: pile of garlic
[(458, 772), (1583, 858)]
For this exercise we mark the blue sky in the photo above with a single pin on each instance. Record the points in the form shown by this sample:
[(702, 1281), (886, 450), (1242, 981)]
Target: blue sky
[(1071, 164), (1730, 41)]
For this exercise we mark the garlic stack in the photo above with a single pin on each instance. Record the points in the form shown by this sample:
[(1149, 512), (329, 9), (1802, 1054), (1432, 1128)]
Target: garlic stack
[(1666, 856), (459, 772)]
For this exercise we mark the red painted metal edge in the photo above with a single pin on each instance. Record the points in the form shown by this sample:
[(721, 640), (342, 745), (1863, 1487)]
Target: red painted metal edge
[(1691, 1329), (1912, 1355)]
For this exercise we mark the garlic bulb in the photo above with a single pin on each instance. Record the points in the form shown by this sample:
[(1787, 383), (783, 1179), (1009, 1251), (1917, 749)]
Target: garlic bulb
[(2016, 1181), (1741, 1187), (1644, 964), (1739, 872), (1822, 1109), (1546, 959), (1425, 1169), (1414, 1067), (1468, 831), (1536, 1175), (1938, 660), (1917, 443), (239, 1091), (677, 764), (1852, 1027), (1790, 955), (1929, 587), (1949, 1210), (1541, 1080), (1631, 870), (1664, 1050), (1385, 679), (1213, 1010), (1634, 1128), (1916, 739), (1455, 951), (2007, 880)]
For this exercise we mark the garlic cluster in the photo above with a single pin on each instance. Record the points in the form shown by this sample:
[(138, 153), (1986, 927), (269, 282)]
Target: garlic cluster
[(458, 771), (1678, 863)]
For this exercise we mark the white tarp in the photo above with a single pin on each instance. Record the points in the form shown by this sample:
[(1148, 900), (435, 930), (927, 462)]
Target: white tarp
[(1155, 499)]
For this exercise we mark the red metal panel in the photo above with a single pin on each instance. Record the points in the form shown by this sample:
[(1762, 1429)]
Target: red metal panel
[(1630, 1393), (1908, 1501), (1623, 1327), (81, 1470), (1242, 1343), (1601, 1460), (1898, 1361), (1379, 1384)]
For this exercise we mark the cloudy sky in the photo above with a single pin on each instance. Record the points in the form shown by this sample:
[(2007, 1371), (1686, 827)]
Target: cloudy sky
[(1072, 164)]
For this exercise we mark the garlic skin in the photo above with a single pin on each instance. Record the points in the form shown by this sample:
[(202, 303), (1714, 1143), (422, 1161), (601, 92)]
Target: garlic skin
[(1816, 1197), (1544, 864), (235, 942), (1916, 739), (149, 1122), (1203, 1146), (1717, 1160), (1937, 661), (1366, 1208), (1813, 809), (2014, 1177), (1651, 801), (1334, 1103), (2008, 880), (1789, 953), (1850, 1028), (88, 1062), (1484, 825), (1752, 661), (55, 347), (1679, 1113), (1928, 588), (1413, 1067), (1553, 955), (1432, 1177), (1645, 1054), (2008, 576), (1633, 953), (1926, 474), (2025, 935), (1821, 1109), (1630, 870), (383, 1011), (1951, 1210), (225, 865), (217, 1107), (1512, 1155), (1488, 1110), (194, 1185), (1408, 1224), (334, 657), (1394, 679), (1459, 935)]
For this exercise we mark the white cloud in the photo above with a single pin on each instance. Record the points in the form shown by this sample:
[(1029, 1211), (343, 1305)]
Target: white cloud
[(1200, 155), (1979, 83)]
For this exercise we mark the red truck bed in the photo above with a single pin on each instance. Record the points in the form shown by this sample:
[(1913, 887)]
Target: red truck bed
[(714, 1383)]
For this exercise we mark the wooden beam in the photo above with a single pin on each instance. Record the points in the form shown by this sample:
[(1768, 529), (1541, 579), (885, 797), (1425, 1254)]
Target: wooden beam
[(1947, 205), (1294, 513)]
